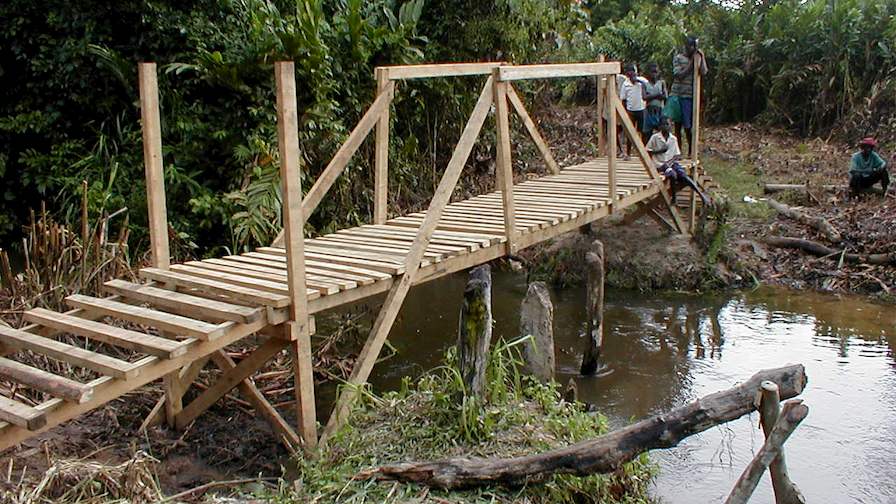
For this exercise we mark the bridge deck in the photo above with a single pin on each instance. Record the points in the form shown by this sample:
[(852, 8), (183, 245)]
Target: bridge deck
[(217, 302)]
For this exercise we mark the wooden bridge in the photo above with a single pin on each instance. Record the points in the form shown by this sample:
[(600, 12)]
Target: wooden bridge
[(186, 314)]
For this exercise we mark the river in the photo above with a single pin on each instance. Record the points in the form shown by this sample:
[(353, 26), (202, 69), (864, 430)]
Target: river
[(666, 350)]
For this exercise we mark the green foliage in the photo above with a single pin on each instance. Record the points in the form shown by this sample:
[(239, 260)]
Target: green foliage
[(433, 419)]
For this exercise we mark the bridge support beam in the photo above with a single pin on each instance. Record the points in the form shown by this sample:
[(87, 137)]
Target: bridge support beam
[(399, 290), (504, 163), (298, 327)]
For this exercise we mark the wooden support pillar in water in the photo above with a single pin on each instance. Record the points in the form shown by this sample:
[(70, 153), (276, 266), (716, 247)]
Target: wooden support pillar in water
[(594, 337), (475, 332), (786, 492), (537, 321)]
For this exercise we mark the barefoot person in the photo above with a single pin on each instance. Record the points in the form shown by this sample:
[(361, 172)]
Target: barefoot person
[(867, 168), (682, 91), (632, 95), (665, 153), (655, 96)]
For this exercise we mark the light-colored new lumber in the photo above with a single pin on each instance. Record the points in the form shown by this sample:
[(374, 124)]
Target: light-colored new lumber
[(22, 415), (120, 337), (234, 279), (323, 287), (100, 363), (152, 161), (503, 166), (397, 293), (381, 153), (550, 71), (404, 72), (236, 292), (185, 303), (601, 110), (532, 128), (38, 379), (294, 212), (160, 320), (611, 98)]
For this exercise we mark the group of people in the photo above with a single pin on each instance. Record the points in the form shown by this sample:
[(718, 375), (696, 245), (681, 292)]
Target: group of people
[(653, 109)]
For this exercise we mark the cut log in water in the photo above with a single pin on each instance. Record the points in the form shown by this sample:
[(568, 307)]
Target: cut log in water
[(475, 332), (605, 453), (821, 250), (537, 321), (786, 492), (793, 413), (818, 223), (594, 300)]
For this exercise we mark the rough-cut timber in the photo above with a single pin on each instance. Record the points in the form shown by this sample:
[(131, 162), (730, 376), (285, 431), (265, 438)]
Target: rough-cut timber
[(537, 322), (820, 224), (594, 300), (474, 335), (786, 491), (821, 250), (605, 453)]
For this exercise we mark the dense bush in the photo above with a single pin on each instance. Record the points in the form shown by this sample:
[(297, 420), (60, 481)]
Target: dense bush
[(69, 109)]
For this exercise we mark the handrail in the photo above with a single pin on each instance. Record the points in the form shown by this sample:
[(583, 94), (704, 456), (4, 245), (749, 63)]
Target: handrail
[(551, 71), (404, 72)]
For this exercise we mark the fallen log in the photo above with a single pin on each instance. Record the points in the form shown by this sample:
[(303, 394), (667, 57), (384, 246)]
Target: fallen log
[(775, 188), (820, 250), (820, 224), (605, 453)]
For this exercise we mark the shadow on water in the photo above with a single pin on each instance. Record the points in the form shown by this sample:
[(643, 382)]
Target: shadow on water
[(669, 349)]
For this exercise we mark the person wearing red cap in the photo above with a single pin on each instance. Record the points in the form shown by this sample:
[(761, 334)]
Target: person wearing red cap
[(867, 168)]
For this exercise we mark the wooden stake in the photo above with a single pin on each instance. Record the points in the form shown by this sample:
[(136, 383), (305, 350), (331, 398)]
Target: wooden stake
[(398, 291), (474, 334), (786, 492), (537, 321), (793, 413), (594, 337), (611, 139), (381, 162), (504, 168), (152, 160), (601, 110), (298, 330)]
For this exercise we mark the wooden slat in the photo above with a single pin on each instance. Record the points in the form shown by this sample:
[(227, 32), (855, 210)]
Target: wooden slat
[(38, 379), (160, 320), (390, 268), (218, 288), (185, 303), (234, 279), (403, 72), (22, 415), (247, 268), (550, 71), (322, 286), (100, 363), (120, 337)]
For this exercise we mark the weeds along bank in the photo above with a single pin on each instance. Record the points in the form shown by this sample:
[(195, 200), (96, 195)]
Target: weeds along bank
[(69, 109)]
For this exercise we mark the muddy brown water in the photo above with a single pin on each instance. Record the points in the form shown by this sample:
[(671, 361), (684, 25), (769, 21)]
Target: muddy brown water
[(666, 350)]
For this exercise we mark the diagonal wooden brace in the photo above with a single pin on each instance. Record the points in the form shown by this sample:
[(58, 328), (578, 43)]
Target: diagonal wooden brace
[(540, 142)]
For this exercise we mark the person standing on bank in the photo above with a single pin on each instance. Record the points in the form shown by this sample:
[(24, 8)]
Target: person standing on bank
[(680, 106), (655, 95), (867, 168), (631, 93)]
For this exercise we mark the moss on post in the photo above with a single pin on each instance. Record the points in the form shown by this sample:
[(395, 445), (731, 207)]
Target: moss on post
[(475, 332)]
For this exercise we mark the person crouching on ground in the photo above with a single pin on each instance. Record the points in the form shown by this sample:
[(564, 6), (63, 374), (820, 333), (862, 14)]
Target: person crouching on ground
[(867, 168), (665, 153), (632, 94)]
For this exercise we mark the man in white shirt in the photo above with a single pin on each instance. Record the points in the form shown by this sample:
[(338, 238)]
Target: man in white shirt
[(665, 153), (631, 92)]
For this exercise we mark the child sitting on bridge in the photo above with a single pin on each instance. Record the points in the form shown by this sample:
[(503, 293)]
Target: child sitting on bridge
[(665, 153), (867, 168)]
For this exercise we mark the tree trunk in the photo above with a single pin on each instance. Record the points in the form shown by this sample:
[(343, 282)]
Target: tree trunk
[(605, 453), (537, 321), (475, 332), (818, 223), (820, 250), (594, 300), (786, 492)]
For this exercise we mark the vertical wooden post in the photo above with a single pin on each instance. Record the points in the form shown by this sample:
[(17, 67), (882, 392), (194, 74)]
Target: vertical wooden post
[(504, 168), (537, 321), (594, 337), (695, 138), (601, 110), (474, 334), (152, 160), (786, 492), (293, 222), (611, 139), (381, 162)]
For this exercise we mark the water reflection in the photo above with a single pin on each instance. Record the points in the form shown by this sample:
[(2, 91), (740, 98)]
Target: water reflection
[(666, 350)]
